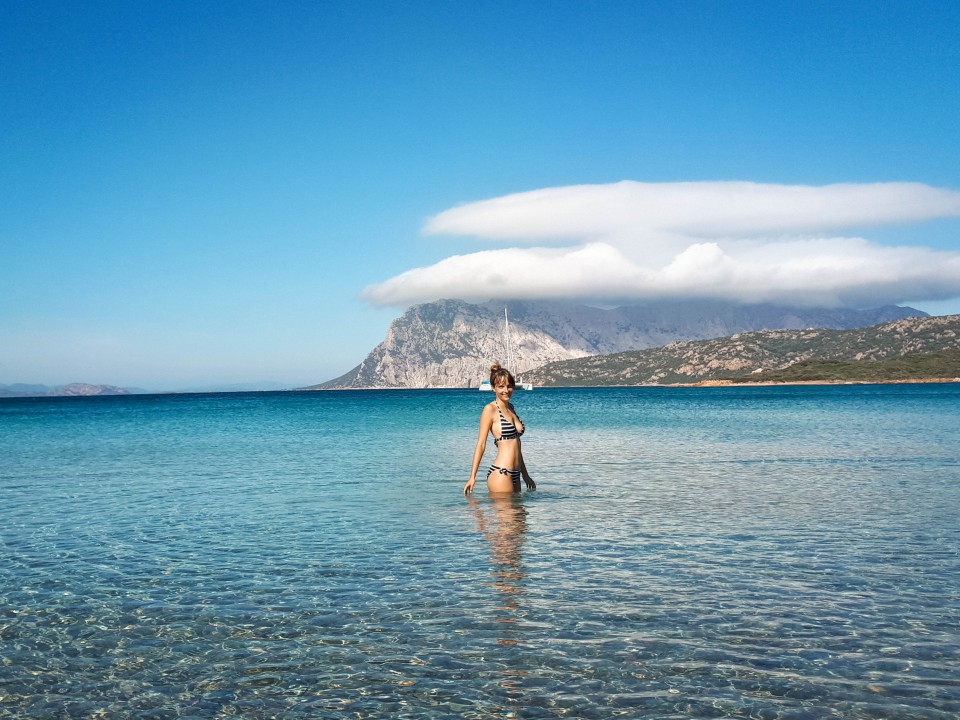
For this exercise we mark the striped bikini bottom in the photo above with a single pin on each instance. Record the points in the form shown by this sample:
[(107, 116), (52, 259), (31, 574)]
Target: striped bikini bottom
[(514, 475)]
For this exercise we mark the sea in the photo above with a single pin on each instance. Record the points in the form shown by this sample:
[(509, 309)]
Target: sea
[(734, 552)]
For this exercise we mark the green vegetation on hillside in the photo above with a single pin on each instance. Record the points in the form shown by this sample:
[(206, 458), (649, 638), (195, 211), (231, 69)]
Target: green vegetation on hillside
[(906, 349), (921, 366)]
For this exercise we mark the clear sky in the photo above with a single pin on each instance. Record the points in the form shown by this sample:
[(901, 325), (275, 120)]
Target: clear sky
[(204, 193)]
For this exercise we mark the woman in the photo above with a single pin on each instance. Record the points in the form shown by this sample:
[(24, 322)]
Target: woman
[(501, 420)]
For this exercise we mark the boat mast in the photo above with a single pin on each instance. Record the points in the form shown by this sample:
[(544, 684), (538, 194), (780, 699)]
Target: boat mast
[(506, 330)]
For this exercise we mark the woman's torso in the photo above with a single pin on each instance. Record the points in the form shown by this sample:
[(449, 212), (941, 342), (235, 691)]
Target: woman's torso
[(506, 430)]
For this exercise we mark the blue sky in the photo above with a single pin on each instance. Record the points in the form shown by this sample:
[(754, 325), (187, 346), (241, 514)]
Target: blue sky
[(197, 194)]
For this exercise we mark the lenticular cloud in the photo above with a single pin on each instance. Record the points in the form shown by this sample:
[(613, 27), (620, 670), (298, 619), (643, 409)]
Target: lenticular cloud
[(728, 240), (699, 209)]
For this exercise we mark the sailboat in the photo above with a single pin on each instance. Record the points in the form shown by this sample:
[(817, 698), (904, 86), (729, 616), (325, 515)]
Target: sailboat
[(521, 385)]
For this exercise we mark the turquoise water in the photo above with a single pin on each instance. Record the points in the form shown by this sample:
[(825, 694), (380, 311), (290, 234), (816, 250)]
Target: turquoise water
[(690, 553)]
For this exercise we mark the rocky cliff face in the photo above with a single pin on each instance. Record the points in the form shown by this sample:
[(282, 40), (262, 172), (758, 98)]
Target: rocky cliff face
[(450, 343)]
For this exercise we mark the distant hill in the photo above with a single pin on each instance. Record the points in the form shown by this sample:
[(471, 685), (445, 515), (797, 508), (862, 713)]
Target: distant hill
[(451, 343), (73, 390), (916, 367), (776, 355)]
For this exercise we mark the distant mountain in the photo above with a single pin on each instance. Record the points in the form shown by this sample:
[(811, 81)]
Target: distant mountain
[(929, 343), (23, 390), (73, 389), (451, 343), (83, 389)]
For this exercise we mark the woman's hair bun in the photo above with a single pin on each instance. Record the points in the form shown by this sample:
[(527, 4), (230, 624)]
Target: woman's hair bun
[(499, 374)]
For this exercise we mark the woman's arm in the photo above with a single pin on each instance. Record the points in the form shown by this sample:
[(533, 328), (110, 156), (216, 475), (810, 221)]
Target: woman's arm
[(531, 485), (486, 422)]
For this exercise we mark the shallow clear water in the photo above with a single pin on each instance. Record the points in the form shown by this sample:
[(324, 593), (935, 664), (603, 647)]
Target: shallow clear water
[(690, 553)]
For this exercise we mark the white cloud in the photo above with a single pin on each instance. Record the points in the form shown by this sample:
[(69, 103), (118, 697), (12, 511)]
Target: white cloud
[(737, 241), (697, 209)]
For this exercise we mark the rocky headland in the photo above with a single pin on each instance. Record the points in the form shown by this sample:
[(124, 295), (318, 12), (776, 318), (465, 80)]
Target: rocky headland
[(451, 343)]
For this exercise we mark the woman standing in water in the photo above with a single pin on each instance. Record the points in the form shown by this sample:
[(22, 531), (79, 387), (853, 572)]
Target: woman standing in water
[(501, 420)]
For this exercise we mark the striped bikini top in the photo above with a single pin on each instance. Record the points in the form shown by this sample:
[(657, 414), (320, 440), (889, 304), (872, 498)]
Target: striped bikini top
[(508, 431)]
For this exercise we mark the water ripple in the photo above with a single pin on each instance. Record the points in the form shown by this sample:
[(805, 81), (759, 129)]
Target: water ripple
[(667, 567)]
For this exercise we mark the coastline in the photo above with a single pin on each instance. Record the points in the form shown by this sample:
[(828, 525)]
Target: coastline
[(769, 383)]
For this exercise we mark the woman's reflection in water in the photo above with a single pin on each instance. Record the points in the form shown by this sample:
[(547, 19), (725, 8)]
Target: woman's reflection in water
[(502, 520)]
